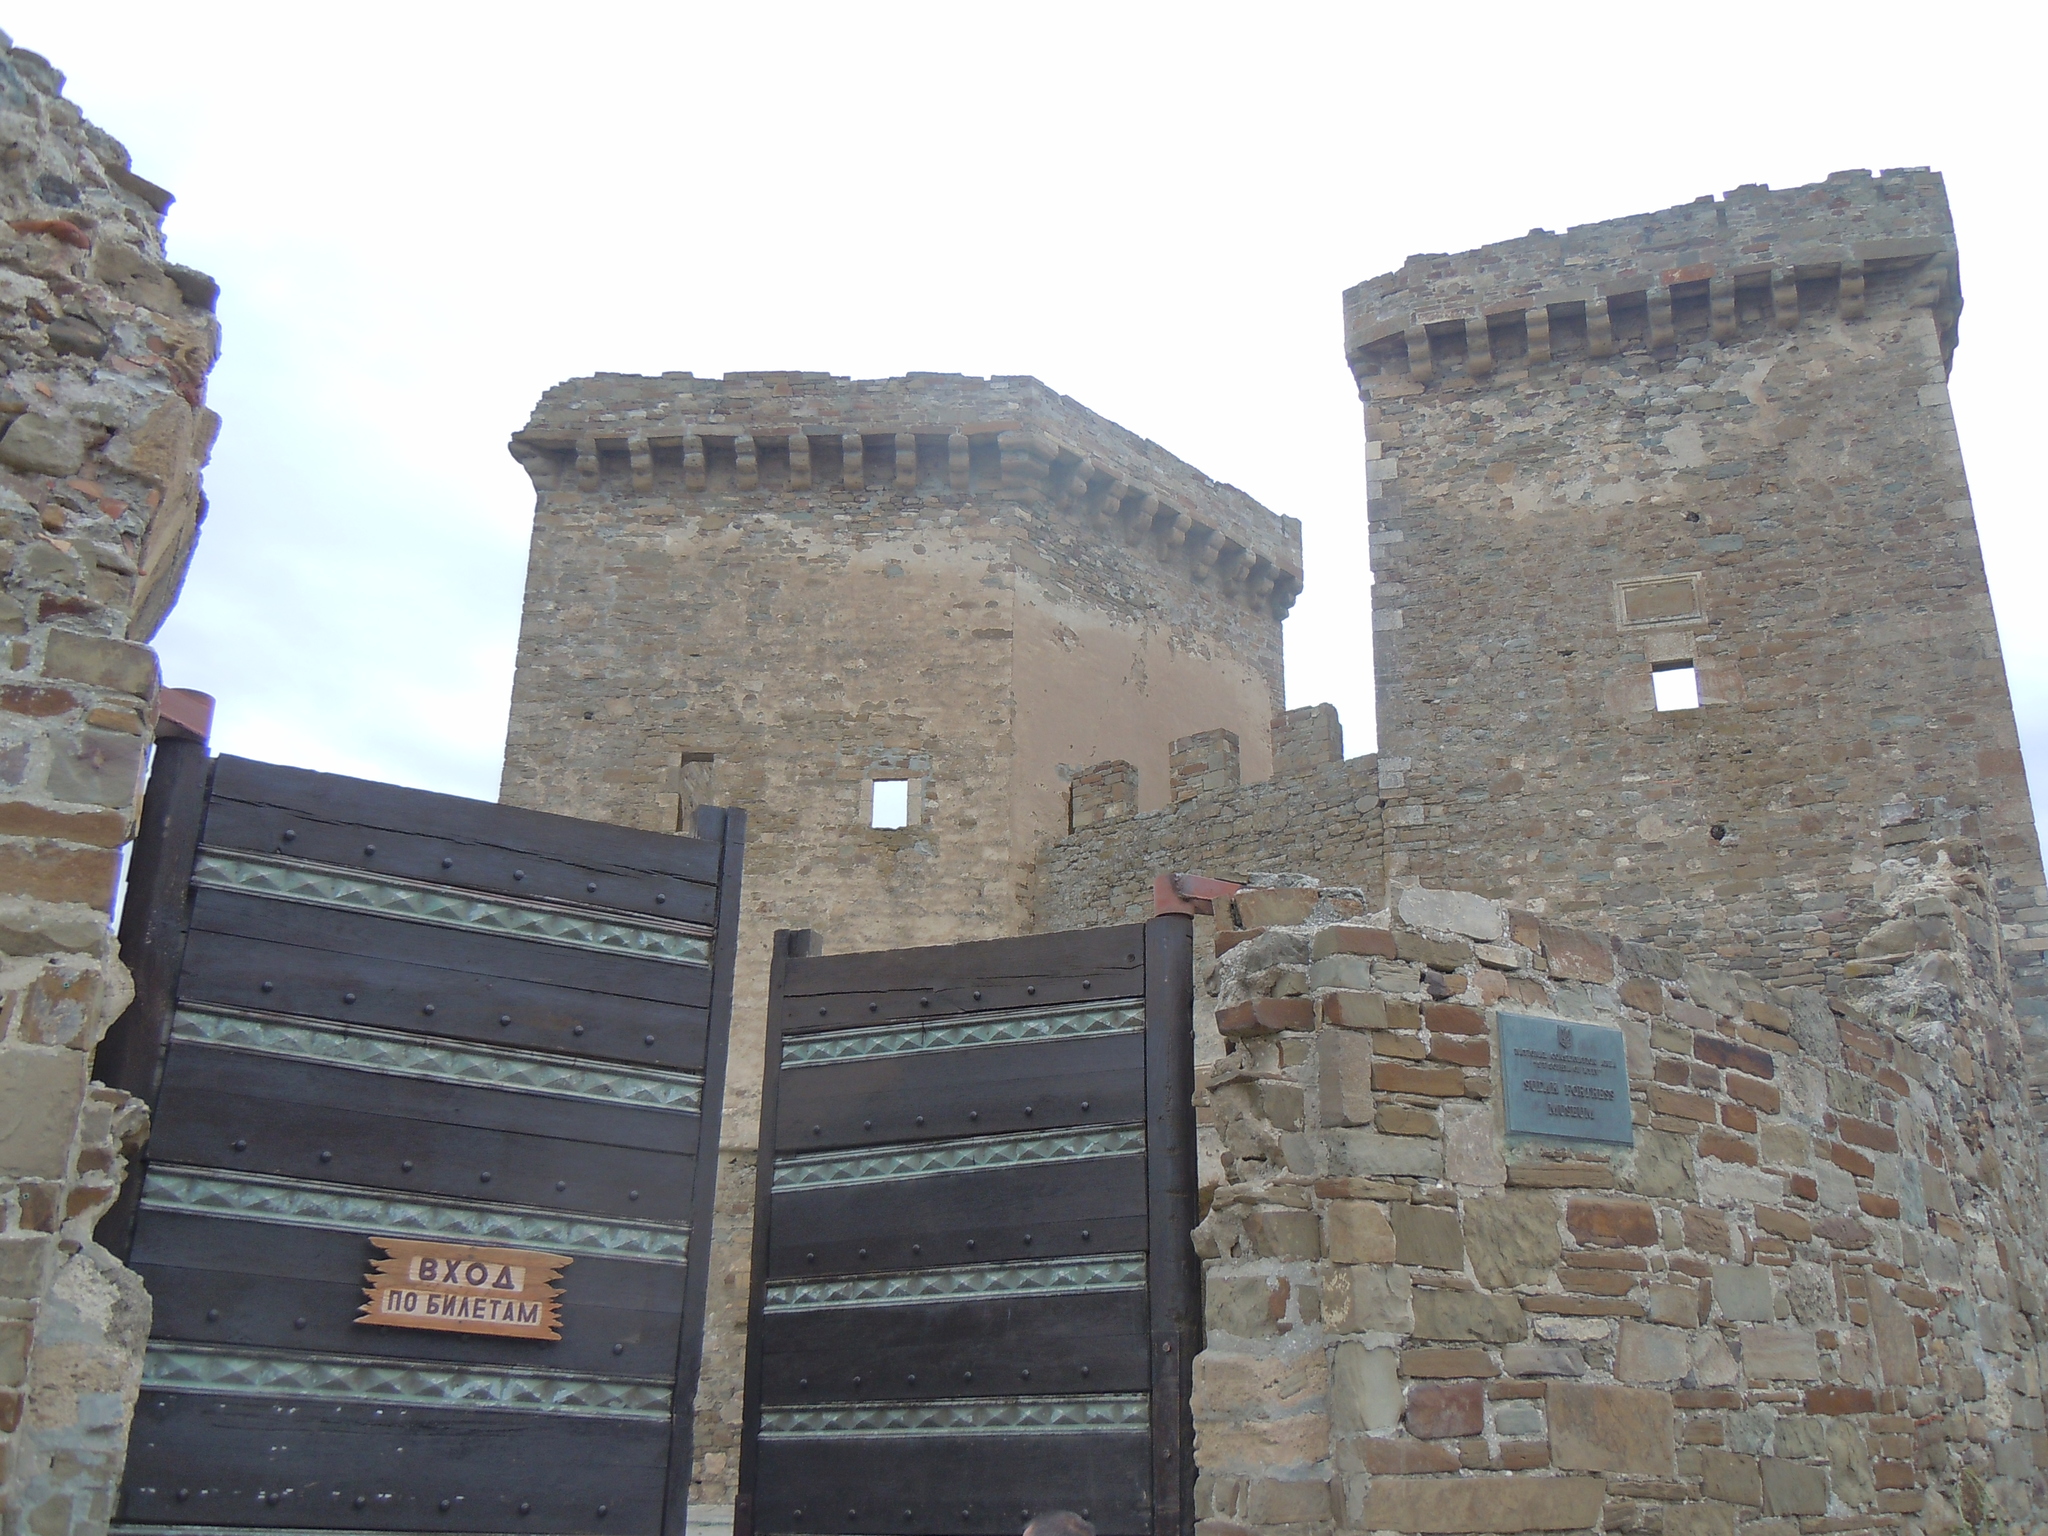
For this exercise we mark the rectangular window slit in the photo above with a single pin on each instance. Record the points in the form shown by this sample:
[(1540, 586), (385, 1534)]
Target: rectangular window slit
[(1676, 685), (891, 804)]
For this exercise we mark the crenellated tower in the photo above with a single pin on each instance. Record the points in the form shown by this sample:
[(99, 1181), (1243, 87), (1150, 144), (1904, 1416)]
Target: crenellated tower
[(1681, 622), (890, 618)]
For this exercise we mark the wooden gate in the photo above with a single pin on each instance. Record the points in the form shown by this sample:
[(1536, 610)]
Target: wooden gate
[(371, 1018), (975, 1295)]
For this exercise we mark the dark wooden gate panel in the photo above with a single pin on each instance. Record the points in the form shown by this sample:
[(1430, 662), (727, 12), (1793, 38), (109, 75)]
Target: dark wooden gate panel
[(975, 1296), (365, 1011)]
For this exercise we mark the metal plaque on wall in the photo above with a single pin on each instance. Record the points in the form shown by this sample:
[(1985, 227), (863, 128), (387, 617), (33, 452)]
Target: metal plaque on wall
[(1565, 1080)]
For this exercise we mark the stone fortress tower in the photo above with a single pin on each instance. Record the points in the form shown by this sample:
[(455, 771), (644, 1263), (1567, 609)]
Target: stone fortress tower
[(1714, 440), (781, 590)]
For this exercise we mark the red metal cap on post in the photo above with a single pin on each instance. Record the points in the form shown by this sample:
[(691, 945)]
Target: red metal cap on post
[(183, 714), (1194, 894)]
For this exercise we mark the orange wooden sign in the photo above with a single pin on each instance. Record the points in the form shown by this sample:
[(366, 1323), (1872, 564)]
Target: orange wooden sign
[(456, 1289)]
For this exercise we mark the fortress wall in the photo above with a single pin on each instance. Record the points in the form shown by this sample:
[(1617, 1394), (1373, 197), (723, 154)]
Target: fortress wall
[(772, 590), (1809, 1296), (1317, 814), (1717, 435), (104, 353)]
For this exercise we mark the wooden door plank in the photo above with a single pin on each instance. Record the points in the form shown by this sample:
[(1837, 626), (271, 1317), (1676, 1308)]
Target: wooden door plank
[(362, 1148), (1081, 953), (953, 1485), (436, 859), (921, 1096), (264, 1252), (230, 1310), (231, 1454), (1087, 1342), (370, 937), (230, 971), (994, 1210), (387, 807), (380, 1097)]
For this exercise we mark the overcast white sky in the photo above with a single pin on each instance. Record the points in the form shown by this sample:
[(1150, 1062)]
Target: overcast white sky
[(423, 215)]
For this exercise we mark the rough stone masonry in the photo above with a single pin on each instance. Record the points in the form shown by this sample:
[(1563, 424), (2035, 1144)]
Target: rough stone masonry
[(1714, 437), (1808, 1298), (779, 590), (104, 353)]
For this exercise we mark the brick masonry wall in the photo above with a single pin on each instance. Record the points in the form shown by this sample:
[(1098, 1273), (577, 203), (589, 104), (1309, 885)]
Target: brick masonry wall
[(104, 348), (1318, 814), (771, 590), (1809, 1298), (1718, 434)]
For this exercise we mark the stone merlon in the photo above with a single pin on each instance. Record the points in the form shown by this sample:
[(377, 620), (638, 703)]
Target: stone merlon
[(1008, 439), (1836, 230)]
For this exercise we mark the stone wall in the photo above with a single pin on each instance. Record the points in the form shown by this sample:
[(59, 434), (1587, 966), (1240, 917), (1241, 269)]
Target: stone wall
[(1718, 435), (1809, 1298), (104, 350), (1318, 813), (773, 590)]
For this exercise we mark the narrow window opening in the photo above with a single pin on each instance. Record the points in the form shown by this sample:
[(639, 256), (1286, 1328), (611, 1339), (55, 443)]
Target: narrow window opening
[(891, 808), (1676, 686)]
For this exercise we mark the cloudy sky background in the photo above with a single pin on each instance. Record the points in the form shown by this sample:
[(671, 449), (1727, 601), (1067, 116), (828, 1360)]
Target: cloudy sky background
[(422, 215)]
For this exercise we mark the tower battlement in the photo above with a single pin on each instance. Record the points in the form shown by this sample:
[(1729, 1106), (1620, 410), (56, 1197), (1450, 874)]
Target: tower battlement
[(1751, 263), (1713, 441), (783, 438)]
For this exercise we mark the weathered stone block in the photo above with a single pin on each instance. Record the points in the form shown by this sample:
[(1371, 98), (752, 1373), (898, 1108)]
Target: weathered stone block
[(1454, 911), (1368, 1298), (1287, 1501), (1275, 907), (1743, 1292), (1352, 939), (1542, 1360), (1283, 1234), (104, 663), (1355, 1010), (1779, 1354), (1369, 1152), (1648, 1353), (1791, 1488), (1468, 1315), (1513, 1238), (1663, 1166), (1446, 1410), (1502, 1503), (1610, 1429), (1427, 1237), (1229, 1383), (1358, 1232), (1365, 1389), (43, 445), (1472, 1150), (1612, 1223), (40, 1095), (1344, 1073), (1731, 1476), (1244, 1306), (1699, 1520)]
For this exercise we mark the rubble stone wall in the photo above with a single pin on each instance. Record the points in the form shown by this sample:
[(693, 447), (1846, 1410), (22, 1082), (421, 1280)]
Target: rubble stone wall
[(773, 590), (1319, 813), (1809, 1298), (104, 353), (1718, 435)]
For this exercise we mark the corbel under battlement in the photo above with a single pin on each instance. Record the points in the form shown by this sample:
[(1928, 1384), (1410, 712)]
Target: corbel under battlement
[(1144, 498), (1703, 303), (1711, 272)]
